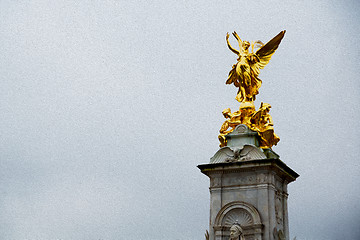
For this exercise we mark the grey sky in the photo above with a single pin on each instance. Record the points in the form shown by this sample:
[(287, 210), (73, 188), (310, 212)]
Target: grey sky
[(107, 107)]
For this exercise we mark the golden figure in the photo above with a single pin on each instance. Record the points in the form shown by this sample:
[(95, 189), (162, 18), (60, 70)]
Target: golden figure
[(262, 123), (259, 121), (244, 74), (247, 110), (243, 116), (232, 120)]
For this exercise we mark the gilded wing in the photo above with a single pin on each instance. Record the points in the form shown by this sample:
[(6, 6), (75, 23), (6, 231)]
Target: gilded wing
[(265, 52), (257, 44)]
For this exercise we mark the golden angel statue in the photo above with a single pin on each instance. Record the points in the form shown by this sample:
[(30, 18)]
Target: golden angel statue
[(244, 74)]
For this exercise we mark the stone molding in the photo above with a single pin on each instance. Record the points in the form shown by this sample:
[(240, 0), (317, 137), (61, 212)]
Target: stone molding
[(247, 187), (276, 165)]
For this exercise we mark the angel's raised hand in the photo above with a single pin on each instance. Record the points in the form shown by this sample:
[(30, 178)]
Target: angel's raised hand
[(236, 35)]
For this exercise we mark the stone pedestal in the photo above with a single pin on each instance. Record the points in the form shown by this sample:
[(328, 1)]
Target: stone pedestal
[(248, 186)]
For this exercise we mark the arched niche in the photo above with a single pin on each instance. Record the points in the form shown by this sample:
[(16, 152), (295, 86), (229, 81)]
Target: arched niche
[(242, 213)]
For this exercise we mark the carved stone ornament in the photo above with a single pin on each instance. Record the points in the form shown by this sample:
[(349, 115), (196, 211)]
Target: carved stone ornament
[(236, 232), (238, 213), (278, 234), (278, 209), (231, 154)]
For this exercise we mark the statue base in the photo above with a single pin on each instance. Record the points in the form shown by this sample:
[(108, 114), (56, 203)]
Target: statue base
[(248, 187), (250, 193)]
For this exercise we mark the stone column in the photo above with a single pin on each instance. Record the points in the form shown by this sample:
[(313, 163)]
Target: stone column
[(248, 186)]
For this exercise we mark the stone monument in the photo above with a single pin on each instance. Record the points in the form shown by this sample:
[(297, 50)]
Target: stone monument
[(248, 181)]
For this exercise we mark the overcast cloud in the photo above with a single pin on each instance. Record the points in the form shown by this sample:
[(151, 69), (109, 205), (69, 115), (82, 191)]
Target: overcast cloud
[(107, 107)]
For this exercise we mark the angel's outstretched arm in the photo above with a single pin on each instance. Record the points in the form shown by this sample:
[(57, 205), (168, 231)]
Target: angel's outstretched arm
[(230, 47)]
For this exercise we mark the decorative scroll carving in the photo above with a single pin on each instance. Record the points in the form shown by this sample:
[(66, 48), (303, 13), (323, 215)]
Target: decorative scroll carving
[(278, 234), (261, 178), (278, 208)]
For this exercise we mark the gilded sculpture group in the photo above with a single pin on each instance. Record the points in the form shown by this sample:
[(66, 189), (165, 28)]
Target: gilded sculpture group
[(244, 75)]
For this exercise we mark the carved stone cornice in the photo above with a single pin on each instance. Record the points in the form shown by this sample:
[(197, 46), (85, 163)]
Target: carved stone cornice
[(276, 165)]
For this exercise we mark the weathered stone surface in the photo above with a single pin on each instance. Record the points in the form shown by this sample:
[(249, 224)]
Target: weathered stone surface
[(235, 154), (252, 193), (242, 135)]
